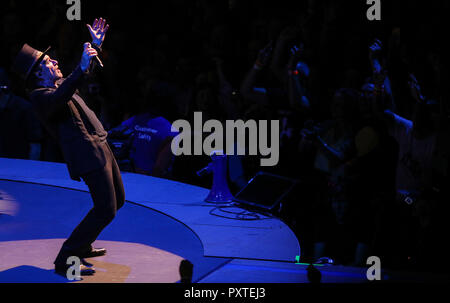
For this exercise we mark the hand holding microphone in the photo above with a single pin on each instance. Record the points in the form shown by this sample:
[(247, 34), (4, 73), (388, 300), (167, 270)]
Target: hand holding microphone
[(88, 54)]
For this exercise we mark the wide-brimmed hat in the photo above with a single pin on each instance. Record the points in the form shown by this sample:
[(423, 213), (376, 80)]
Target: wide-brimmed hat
[(26, 60)]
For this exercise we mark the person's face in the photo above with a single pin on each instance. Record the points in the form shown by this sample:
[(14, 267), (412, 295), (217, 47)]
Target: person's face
[(49, 70)]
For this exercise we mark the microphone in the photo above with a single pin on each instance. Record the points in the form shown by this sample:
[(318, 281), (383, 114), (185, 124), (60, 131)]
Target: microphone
[(94, 62), (98, 61)]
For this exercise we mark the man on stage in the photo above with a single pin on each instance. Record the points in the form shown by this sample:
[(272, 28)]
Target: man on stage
[(81, 137)]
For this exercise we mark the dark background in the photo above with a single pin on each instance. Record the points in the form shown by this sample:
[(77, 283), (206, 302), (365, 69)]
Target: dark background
[(161, 33), (156, 52)]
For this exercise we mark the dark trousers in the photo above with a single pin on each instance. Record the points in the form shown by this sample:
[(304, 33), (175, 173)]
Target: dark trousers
[(108, 195)]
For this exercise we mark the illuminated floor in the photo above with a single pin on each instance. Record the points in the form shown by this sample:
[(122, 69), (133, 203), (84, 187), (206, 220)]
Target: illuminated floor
[(143, 245), (165, 223)]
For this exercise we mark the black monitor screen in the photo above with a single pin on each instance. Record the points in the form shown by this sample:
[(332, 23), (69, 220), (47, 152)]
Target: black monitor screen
[(264, 190)]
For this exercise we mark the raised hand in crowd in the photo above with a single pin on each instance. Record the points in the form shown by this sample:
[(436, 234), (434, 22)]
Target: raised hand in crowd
[(415, 90), (296, 53), (264, 56), (375, 57), (287, 36), (248, 90), (296, 71), (380, 79)]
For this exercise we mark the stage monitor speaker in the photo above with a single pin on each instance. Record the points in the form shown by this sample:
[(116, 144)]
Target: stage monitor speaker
[(265, 191)]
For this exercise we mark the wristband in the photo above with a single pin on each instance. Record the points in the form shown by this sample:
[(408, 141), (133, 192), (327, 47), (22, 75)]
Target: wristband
[(96, 47), (293, 72)]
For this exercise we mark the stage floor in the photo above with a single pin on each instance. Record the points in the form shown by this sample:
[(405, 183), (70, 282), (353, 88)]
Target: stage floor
[(143, 245), (162, 223)]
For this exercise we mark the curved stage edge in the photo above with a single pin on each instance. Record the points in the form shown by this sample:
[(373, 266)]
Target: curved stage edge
[(162, 223), (265, 239), (221, 240)]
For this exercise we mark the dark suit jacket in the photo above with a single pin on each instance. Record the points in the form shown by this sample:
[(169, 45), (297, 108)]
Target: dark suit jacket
[(78, 131)]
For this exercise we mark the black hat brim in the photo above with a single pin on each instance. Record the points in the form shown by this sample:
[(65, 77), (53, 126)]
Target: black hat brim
[(37, 62)]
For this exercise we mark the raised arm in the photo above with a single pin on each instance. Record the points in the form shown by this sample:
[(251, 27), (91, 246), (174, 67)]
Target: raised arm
[(98, 31), (380, 77), (278, 66), (248, 89), (296, 91), (420, 111)]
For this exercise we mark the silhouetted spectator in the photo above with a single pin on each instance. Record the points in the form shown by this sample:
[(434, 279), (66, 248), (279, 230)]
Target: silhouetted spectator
[(20, 131), (150, 152)]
